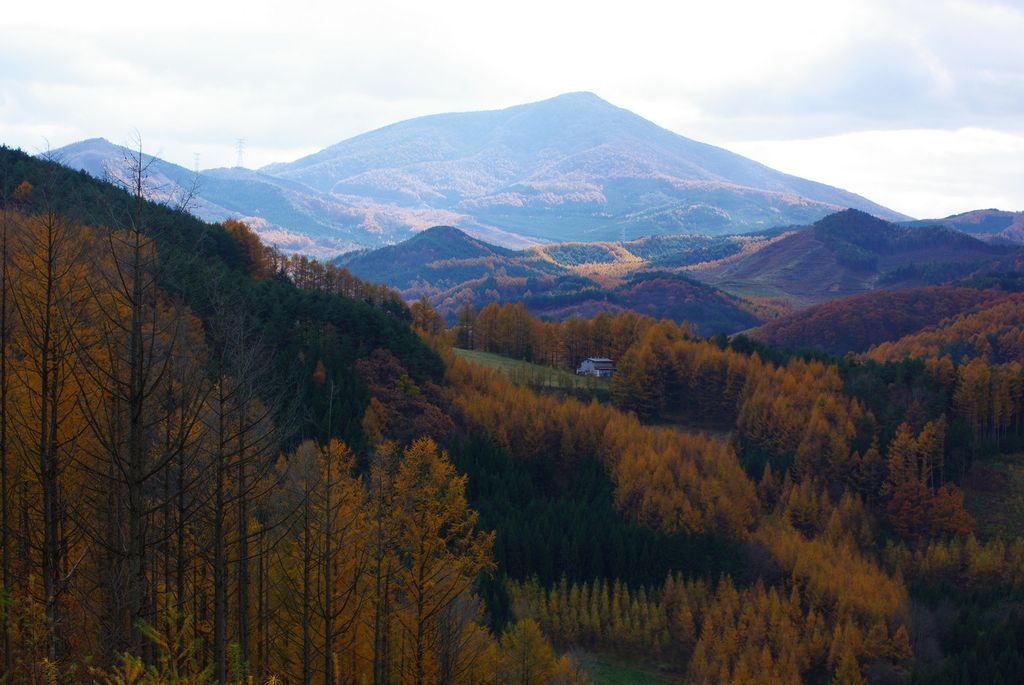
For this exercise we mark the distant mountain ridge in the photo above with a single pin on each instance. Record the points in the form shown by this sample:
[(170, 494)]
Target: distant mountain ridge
[(451, 269), (985, 223), (720, 284), (570, 168), (851, 252)]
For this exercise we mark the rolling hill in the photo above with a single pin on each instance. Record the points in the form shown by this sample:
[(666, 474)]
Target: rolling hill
[(571, 168), (994, 332), (852, 252), (856, 323), (439, 258), (451, 268)]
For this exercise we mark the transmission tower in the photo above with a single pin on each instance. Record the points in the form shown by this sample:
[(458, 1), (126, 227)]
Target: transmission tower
[(240, 147)]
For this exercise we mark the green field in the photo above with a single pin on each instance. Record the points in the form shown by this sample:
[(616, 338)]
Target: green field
[(537, 376)]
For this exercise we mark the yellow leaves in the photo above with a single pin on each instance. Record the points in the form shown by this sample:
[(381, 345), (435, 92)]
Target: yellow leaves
[(664, 478), (969, 563), (992, 333), (392, 558), (437, 522), (526, 657), (22, 193), (833, 576), (683, 483)]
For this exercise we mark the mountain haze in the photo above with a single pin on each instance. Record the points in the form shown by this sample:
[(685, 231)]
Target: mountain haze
[(571, 168), (285, 213)]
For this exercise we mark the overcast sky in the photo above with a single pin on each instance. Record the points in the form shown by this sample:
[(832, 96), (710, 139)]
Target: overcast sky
[(918, 105)]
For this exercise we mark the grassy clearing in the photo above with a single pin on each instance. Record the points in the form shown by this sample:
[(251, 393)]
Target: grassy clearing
[(608, 671), (537, 376), (994, 495)]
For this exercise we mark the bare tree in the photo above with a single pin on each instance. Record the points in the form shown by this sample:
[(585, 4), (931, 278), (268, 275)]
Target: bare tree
[(143, 356)]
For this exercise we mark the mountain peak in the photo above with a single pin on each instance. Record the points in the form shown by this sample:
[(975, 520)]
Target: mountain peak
[(441, 233), (580, 97), (851, 217)]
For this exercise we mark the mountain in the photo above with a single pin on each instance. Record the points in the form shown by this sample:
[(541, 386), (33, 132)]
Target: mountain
[(571, 168), (286, 214), (984, 223), (848, 253), (452, 268), (440, 258)]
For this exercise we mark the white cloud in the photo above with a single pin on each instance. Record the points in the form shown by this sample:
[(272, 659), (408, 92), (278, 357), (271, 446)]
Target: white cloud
[(193, 76), (925, 173)]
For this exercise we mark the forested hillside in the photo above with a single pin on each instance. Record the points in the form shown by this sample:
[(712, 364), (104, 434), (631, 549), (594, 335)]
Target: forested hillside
[(858, 322), (851, 252), (829, 505), (188, 492), (223, 464), (993, 333), (451, 270)]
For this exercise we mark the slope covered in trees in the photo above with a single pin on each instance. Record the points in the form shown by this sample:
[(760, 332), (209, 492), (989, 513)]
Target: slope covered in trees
[(993, 333), (222, 464), (851, 252), (175, 504), (452, 269), (858, 322)]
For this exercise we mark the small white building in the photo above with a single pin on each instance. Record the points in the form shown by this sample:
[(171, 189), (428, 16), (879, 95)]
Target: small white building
[(596, 366)]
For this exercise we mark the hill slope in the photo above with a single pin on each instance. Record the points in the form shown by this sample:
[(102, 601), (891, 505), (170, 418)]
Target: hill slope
[(452, 268), (439, 258), (855, 323), (851, 252), (994, 333)]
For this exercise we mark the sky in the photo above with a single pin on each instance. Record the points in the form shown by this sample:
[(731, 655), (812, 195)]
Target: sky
[(915, 104)]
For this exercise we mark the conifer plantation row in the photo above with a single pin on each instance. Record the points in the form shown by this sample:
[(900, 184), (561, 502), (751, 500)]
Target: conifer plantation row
[(222, 464)]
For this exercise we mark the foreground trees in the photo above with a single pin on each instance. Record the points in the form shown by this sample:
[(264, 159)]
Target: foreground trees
[(153, 531)]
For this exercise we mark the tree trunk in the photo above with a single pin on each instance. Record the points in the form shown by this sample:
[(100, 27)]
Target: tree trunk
[(242, 568), (220, 570), (307, 562), (328, 560), (5, 484)]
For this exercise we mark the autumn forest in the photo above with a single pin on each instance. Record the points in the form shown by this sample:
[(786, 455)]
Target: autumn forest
[(225, 464)]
